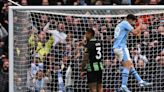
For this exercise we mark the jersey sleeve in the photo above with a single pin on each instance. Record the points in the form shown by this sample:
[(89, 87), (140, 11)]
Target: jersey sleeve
[(128, 26)]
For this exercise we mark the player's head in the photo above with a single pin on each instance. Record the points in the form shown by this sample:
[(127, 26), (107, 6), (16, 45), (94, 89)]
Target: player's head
[(131, 19), (89, 33)]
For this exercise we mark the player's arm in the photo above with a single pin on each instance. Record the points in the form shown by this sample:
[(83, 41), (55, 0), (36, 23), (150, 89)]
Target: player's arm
[(137, 30), (84, 64), (85, 61), (85, 58)]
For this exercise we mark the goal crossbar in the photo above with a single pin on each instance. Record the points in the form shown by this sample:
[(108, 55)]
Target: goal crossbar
[(37, 9)]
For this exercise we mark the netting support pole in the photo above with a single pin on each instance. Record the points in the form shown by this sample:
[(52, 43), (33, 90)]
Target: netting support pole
[(11, 58)]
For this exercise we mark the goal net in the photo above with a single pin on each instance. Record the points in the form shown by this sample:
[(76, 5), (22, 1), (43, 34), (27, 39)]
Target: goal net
[(47, 48)]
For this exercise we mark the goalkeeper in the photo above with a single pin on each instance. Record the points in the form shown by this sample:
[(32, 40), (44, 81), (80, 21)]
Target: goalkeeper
[(122, 53)]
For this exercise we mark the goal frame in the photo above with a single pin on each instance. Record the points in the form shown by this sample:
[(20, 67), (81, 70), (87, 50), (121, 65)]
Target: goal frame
[(11, 31)]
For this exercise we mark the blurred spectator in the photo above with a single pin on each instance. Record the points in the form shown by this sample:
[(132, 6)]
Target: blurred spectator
[(4, 15), (58, 35), (140, 2), (116, 2), (4, 75), (160, 58), (140, 61), (30, 2), (126, 2), (68, 78), (161, 2), (98, 2), (3, 32), (36, 65), (44, 44), (154, 2), (40, 81), (4, 62), (18, 82), (2, 55)]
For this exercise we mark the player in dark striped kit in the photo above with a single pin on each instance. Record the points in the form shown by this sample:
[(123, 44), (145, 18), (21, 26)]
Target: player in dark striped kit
[(92, 62)]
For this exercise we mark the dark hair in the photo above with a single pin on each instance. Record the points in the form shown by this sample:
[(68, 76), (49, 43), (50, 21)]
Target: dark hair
[(91, 31), (131, 16)]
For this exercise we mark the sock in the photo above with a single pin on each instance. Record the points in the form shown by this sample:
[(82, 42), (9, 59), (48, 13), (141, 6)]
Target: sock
[(135, 74), (125, 75)]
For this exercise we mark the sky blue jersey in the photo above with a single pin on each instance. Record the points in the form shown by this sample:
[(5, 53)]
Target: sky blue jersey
[(121, 34)]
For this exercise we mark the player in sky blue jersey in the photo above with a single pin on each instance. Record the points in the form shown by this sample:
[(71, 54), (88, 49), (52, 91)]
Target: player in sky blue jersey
[(121, 51)]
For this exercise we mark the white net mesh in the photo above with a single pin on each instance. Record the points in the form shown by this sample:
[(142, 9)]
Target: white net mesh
[(48, 48)]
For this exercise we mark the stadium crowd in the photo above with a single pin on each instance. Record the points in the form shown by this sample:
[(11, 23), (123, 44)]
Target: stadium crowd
[(4, 62), (90, 2), (64, 45)]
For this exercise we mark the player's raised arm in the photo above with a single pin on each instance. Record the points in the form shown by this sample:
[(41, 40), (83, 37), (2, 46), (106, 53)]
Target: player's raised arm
[(137, 30), (131, 21)]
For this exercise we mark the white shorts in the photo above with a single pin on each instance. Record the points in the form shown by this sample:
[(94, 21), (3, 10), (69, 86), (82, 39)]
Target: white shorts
[(122, 54)]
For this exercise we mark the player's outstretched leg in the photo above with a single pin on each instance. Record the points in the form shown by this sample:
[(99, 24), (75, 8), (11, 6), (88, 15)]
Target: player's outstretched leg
[(138, 78), (125, 74), (126, 67)]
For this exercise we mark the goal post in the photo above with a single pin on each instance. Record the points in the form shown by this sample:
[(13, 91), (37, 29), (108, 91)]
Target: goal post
[(11, 54), (50, 39)]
